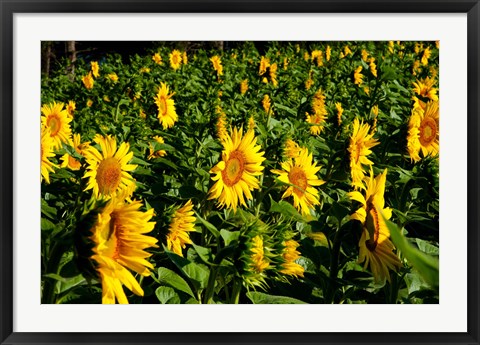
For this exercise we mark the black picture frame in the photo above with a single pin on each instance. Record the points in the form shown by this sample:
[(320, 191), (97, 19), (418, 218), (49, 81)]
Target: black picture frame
[(7, 10)]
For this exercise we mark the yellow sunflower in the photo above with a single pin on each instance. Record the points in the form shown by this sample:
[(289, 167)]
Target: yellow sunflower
[(217, 64), (319, 113), (157, 58), (292, 149), (182, 223), (300, 174), (426, 55), (221, 125), (290, 255), (107, 171), (95, 68), (347, 51), (159, 153), (373, 67), (266, 103), (425, 88), (358, 76), (251, 123), (424, 131), (364, 55), (71, 106), (119, 246), (361, 141), (113, 77), (185, 58), (317, 55), (376, 250), (236, 174), (175, 59), (264, 64), (46, 152), (71, 162), (328, 53), (56, 119), (244, 86), (259, 261), (338, 105), (88, 81), (167, 114)]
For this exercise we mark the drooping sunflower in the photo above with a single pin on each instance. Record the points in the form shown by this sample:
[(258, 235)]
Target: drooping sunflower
[(119, 246), (88, 81), (236, 174), (259, 261), (376, 250), (217, 64), (264, 64), (338, 105), (361, 141), (317, 119), (182, 223), (221, 125), (328, 53), (95, 68), (175, 59), (71, 106), (167, 114), (424, 131), (300, 174), (266, 103), (46, 152), (358, 76), (373, 66), (107, 171), (159, 153), (317, 55), (244, 86), (425, 88), (56, 119), (184, 58), (426, 55), (71, 162), (292, 149), (290, 255)]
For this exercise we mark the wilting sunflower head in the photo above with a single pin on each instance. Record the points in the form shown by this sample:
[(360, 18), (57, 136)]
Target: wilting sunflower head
[(376, 250), (119, 248), (175, 59), (46, 152), (108, 169), (158, 153), (236, 175), (217, 64), (183, 222), (328, 53), (424, 131), (167, 114), (426, 55), (361, 141), (358, 76), (300, 174), (56, 119)]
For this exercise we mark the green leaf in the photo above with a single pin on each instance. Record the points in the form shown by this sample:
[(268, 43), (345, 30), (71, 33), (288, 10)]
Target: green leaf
[(229, 236), (210, 227), (263, 298), (167, 295), (69, 283), (426, 247), (197, 273), (46, 225), (286, 209), (204, 253), (425, 264), (170, 278), (287, 109)]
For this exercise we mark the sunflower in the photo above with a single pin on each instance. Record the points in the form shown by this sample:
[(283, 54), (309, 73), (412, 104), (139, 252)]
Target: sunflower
[(358, 76), (71, 162), (159, 153), (423, 131), (167, 114), (292, 149), (347, 51), (157, 58), (71, 106), (89, 102), (119, 246), (376, 250), (46, 152), (364, 55), (264, 64), (175, 59), (425, 88), (373, 67), (290, 255), (113, 77), (338, 105), (360, 144), (217, 64), (88, 81), (56, 119), (318, 55), (107, 171), (244, 86), (273, 74), (259, 261), (319, 113), (235, 175), (221, 125), (251, 123), (300, 174), (95, 68), (266, 103), (426, 55), (182, 223), (185, 58)]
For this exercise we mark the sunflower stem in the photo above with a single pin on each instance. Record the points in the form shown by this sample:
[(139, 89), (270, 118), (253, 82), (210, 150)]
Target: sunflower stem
[(210, 286), (237, 288), (48, 293), (334, 267)]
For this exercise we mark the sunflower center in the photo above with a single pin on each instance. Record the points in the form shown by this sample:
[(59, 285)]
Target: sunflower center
[(54, 124), (175, 59), (358, 149), (109, 174), (372, 225), (163, 105), (428, 131), (234, 168), (113, 243), (298, 178)]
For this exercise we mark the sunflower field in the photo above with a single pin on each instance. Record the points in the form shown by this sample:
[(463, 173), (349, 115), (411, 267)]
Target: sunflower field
[(242, 172)]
